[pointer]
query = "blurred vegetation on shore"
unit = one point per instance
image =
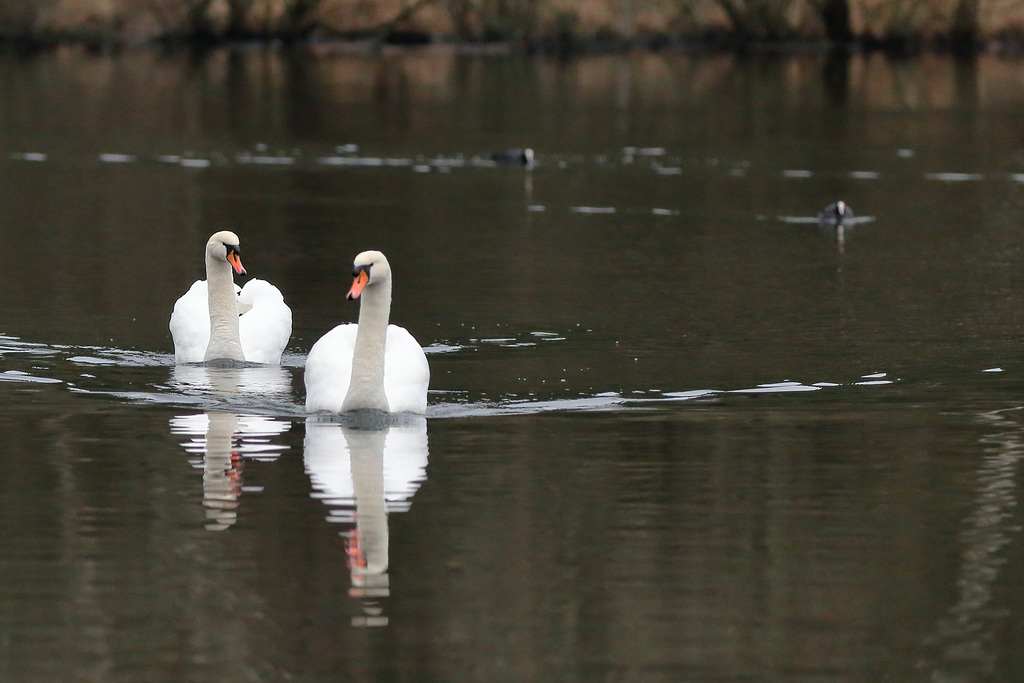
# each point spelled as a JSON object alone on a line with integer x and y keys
{"x": 535, "y": 25}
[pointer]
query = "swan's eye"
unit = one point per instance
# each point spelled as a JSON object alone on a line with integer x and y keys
{"x": 361, "y": 269}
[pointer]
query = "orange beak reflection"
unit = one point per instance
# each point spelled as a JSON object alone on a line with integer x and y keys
{"x": 236, "y": 262}
{"x": 358, "y": 284}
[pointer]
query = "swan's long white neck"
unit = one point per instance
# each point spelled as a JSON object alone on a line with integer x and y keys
{"x": 366, "y": 388}
{"x": 225, "y": 342}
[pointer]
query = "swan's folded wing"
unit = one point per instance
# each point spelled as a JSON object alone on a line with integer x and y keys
{"x": 406, "y": 372}
{"x": 329, "y": 369}
{"x": 190, "y": 324}
{"x": 266, "y": 325}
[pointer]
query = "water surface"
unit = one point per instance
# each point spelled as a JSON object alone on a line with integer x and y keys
{"x": 677, "y": 431}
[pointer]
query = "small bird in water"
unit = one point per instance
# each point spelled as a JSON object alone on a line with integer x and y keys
{"x": 838, "y": 213}
{"x": 514, "y": 157}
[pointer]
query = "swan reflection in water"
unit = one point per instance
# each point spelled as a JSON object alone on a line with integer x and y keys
{"x": 223, "y": 438}
{"x": 259, "y": 384}
{"x": 363, "y": 474}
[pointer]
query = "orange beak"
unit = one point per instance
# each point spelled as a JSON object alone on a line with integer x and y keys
{"x": 236, "y": 262}
{"x": 358, "y": 284}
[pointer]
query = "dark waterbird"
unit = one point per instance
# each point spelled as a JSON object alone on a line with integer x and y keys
{"x": 514, "y": 157}
{"x": 838, "y": 213}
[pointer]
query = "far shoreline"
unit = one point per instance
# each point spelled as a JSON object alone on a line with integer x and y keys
{"x": 1007, "y": 47}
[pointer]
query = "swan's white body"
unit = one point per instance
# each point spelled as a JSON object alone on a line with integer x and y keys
{"x": 370, "y": 365}
{"x": 329, "y": 371}
{"x": 216, "y": 320}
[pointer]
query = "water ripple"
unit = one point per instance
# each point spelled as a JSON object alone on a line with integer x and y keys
{"x": 592, "y": 209}
{"x": 19, "y": 376}
{"x": 777, "y": 388}
{"x": 658, "y": 159}
{"x": 114, "y": 158}
{"x": 954, "y": 177}
{"x": 272, "y": 391}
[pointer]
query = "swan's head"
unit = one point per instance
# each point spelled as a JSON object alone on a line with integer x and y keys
{"x": 223, "y": 246}
{"x": 369, "y": 269}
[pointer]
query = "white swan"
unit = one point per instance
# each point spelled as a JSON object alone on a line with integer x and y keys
{"x": 216, "y": 320}
{"x": 371, "y": 364}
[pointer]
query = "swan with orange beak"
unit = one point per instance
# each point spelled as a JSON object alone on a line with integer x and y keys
{"x": 215, "y": 320}
{"x": 372, "y": 365}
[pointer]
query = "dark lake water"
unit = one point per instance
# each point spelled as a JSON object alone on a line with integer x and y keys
{"x": 676, "y": 431}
